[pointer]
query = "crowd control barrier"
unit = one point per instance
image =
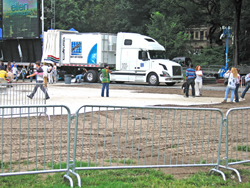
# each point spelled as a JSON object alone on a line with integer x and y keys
{"x": 237, "y": 138}
{"x": 33, "y": 144}
{"x": 121, "y": 137}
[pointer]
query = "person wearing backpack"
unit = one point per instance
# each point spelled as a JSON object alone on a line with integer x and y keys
{"x": 247, "y": 80}
{"x": 231, "y": 86}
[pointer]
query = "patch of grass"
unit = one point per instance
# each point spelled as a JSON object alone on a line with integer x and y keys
{"x": 126, "y": 178}
{"x": 127, "y": 161}
{"x": 243, "y": 148}
{"x": 174, "y": 146}
{"x": 4, "y": 165}
{"x": 112, "y": 161}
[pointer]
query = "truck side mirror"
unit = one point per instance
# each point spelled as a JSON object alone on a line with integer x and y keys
{"x": 144, "y": 56}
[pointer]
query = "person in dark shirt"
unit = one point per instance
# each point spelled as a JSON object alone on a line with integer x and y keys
{"x": 80, "y": 76}
{"x": 30, "y": 71}
{"x": 2, "y": 67}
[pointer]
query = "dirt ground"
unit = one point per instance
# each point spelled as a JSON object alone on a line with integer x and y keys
{"x": 113, "y": 136}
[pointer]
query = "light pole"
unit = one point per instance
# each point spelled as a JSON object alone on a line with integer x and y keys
{"x": 227, "y": 33}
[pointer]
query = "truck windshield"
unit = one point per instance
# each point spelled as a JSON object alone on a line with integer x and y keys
{"x": 157, "y": 54}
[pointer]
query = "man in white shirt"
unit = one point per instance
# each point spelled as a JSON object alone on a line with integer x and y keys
{"x": 15, "y": 72}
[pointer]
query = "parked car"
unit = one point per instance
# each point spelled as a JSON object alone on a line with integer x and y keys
{"x": 184, "y": 61}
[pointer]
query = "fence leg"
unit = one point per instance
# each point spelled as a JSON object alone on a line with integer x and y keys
{"x": 233, "y": 169}
{"x": 78, "y": 178}
{"x": 70, "y": 179}
{"x": 218, "y": 171}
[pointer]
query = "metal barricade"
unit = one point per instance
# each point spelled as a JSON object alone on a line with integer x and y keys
{"x": 16, "y": 94}
{"x": 237, "y": 138}
{"x": 31, "y": 144}
{"x": 121, "y": 137}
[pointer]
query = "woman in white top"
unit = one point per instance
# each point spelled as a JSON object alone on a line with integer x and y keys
{"x": 232, "y": 81}
{"x": 54, "y": 72}
{"x": 50, "y": 79}
{"x": 45, "y": 74}
{"x": 198, "y": 81}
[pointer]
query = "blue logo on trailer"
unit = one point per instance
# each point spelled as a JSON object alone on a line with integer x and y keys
{"x": 92, "y": 57}
{"x": 76, "y": 48}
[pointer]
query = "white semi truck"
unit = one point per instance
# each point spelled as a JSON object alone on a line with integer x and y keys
{"x": 132, "y": 57}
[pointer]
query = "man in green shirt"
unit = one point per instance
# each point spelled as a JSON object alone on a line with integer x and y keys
{"x": 105, "y": 80}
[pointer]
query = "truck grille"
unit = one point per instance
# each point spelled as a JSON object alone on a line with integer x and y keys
{"x": 176, "y": 70}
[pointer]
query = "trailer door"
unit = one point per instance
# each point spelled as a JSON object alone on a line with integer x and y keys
{"x": 66, "y": 51}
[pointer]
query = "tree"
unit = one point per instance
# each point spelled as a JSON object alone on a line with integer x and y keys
{"x": 169, "y": 32}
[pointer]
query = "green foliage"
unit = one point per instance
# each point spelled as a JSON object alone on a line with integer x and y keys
{"x": 169, "y": 32}
{"x": 211, "y": 56}
{"x": 243, "y": 148}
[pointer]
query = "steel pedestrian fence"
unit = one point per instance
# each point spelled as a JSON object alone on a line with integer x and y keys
{"x": 237, "y": 138}
{"x": 16, "y": 94}
{"x": 32, "y": 144}
{"x": 122, "y": 137}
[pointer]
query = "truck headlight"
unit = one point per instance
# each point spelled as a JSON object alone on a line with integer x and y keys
{"x": 165, "y": 74}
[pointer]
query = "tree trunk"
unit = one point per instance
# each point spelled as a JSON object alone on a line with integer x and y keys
{"x": 237, "y": 4}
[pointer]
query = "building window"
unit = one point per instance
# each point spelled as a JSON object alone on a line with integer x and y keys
{"x": 206, "y": 34}
{"x": 201, "y": 35}
{"x": 196, "y": 35}
{"x": 192, "y": 35}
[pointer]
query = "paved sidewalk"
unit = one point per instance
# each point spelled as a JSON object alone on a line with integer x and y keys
{"x": 75, "y": 97}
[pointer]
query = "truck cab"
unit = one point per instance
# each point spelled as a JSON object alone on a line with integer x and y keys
{"x": 140, "y": 58}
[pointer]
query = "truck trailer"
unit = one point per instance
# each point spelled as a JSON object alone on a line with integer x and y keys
{"x": 132, "y": 57}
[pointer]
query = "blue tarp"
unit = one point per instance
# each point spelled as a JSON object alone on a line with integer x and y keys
{"x": 72, "y": 29}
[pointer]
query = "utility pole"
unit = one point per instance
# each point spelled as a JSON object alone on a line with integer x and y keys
{"x": 227, "y": 33}
{"x": 53, "y": 11}
{"x": 42, "y": 17}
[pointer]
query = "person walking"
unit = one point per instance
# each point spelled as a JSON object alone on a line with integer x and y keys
{"x": 54, "y": 72}
{"x": 198, "y": 81}
{"x": 39, "y": 73}
{"x": 247, "y": 80}
{"x": 30, "y": 71}
{"x": 237, "y": 86}
{"x": 50, "y": 79}
{"x": 190, "y": 76}
{"x": 231, "y": 85}
{"x": 105, "y": 80}
{"x": 23, "y": 72}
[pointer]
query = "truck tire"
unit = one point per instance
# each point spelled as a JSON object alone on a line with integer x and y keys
{"x": 91, "y": 76}
{"x": 170, "y": 84}
{"x": 100, "y": 77}
{"x": 153, "y": 79}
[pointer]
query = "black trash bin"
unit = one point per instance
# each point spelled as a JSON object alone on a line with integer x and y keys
{"x": 67, "y": 78}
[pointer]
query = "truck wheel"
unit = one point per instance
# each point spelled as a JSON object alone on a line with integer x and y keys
{"x": 170, "y": 84}
{"x": 91, "y": 76}
{"x": 100, "y": 77}
{"x": 153, "y": 79}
